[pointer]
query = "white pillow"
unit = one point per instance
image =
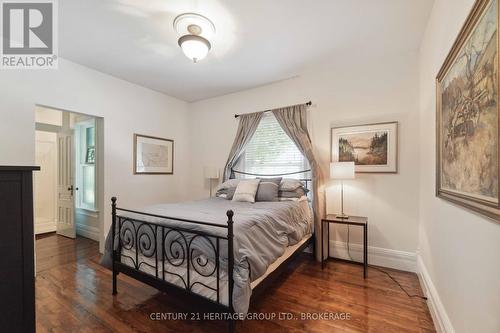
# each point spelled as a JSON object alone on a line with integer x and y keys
{"x": 246, "y": 190}
{"x": 302, "y": 198}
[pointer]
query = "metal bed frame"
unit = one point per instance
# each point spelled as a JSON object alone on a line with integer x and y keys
{"x": 144, "y": 239}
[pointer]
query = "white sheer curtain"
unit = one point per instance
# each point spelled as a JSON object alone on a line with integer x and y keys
{"x": 246, "y": 128}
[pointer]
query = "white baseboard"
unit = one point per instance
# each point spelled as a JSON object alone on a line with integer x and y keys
{"x": 44, "y": 227}
{"x": 405, "y": 261}
{"x": 87, "y": 232}
{"x": 438, "y": 312}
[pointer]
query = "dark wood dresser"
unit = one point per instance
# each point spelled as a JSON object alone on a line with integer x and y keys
{"x": 17, "y": 271}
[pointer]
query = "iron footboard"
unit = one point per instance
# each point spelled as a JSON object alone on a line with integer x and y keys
{"x": 179, "y": 258}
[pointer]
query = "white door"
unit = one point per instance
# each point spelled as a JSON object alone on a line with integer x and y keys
{"x": 66, "y": 186}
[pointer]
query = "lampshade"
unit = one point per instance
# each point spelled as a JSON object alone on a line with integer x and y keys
{"x": 194, "y": 47}
{"x": 342, "y": 170}
{"x": 211, "y": 172}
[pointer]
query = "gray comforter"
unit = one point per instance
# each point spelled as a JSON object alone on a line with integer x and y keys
{"x": 262, "y": 231}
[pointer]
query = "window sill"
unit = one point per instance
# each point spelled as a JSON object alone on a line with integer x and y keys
{"x": 88, "y": 211}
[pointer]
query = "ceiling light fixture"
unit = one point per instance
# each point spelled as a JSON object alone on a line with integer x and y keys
{"x": 195, "y": 31}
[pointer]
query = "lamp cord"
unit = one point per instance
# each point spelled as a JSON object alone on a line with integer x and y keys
{"x": 381, "y": 270}
{"x": 400, "y": 286}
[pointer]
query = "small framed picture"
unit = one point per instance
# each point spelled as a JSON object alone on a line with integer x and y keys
{"x": 373, "y": 148}
{"x": 90, "y": 156}
{"x": 153, "y": 156}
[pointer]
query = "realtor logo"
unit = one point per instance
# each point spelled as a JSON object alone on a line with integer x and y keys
{"x": 29, "y": 32}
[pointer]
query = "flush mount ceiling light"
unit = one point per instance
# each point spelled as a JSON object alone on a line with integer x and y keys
{"x": 195, "y": 31}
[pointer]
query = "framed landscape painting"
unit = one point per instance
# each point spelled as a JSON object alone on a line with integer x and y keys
{"x": 467, "y": 120}
{"x": 153, "y": 155}
{"x": 372, "y": 148}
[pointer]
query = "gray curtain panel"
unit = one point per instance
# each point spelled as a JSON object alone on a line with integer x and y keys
{"x": 293, "y": 120}
{"x": 246, "y": 129}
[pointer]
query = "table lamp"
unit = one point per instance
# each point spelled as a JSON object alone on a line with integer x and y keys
{"x": 211, "y": 173}
{"x": 342, "y": 171}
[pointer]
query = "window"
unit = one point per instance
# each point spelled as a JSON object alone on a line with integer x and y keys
{"x": 85, "y": 159}
{"x": 271, "y": 151}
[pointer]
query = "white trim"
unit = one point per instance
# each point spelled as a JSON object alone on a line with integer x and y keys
{"x": 44, "y": 227}
{"x": 87, "y": 232}
{"x": 436, "y": 308}
{"x": 88, "y": 212}
{"x": 405, "y": 261}
{"x": 80, "y": 136}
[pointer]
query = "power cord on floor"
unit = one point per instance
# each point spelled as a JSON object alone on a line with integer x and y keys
{"x": 400, "y": 286}
{"x": 381, "y": 270}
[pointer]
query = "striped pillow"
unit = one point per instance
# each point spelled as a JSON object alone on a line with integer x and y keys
{"x": 246, "y": 190}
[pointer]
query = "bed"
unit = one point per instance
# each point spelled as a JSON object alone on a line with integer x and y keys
{"x": 214, "y": 253}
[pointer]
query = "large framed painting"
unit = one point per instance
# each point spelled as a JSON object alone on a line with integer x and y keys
{"x": 467, "y": 127}
{"x": 372, "y": 148}
{"x": 153, "y": 155}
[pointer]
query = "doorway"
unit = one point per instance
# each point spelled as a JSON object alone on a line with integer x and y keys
{"x": 69, "y": 187}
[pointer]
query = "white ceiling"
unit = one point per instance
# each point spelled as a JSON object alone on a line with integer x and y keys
{"x": 257, "y": 41}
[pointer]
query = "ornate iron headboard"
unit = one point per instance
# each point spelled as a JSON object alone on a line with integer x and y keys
{"x": 306, "y": 181}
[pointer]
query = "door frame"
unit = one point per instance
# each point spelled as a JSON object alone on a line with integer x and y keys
{"x": 53, "y": 224}
{"x": 100, "y": 184}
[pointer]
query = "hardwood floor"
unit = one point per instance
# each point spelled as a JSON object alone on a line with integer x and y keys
{"x": 73, "y": 294}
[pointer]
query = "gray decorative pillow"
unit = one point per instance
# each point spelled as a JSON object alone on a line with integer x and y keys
{"x": 246, "y": 190}
{"x": 230, "y": 193}
{"x": 268, "y": 189}
{"x": 289, "y": 184}
{"x": 226, "y": 189}
{"x": 227, "y": 184}
{"x": 226, "y": 193}
{"x": 297, "y": 193}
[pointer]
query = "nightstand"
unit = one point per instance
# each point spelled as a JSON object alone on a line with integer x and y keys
{"x": 360, "y": 221}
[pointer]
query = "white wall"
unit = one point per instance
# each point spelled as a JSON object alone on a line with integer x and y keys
{"x": 459, "y": 251}
{"x": 126, "y": 108}
{"x": 352, "y": 89}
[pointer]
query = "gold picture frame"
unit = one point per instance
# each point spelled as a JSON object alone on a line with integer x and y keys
{"x": 467, "y": 116}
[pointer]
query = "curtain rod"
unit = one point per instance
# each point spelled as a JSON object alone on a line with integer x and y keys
{"x": 308, "y": 104}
